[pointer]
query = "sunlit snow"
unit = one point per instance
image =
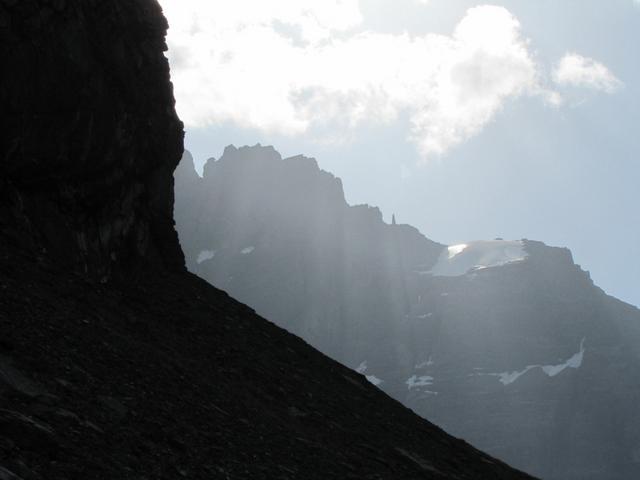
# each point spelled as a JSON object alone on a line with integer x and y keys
{"x": 454, "y": 250}
{"x": 460, "y": 259}
{"x": 205, "y": 255}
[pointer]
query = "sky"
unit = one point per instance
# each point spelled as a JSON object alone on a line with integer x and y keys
{"x": 469, "y": 120}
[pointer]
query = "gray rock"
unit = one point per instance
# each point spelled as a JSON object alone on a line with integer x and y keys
{"x": 527, "y": 360}
{"x": 12, "y": 378}
{"x": 27, "y": 432}
{"x": 8, "y": 475}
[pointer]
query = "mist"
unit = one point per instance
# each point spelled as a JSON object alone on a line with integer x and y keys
{"x": 319, "y": 239}
{"x": 472, "y": 191}
{"x": 508, "y": 326}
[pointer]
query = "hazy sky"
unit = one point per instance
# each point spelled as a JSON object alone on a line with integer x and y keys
{"x": 468, "y": 120}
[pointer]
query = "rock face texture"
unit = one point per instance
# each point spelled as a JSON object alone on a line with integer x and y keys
{"x": 114, "y": 361}
{"x": 280, "y": 235}
{"x": 89, "y": 136}
{"x": 507, "y": 344}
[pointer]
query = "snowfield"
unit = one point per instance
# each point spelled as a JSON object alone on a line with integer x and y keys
{"x": 205, "y": 255}
{"x": 459, "y": 260}
{"x": 575, "y": 362}
{"x": 422, "y": 381}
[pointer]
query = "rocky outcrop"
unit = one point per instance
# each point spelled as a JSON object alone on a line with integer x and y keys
{"x": 507, "y": 344}
{"x": 114, "y": 361}
{"x": 89, "y": 135}
{"x": 531, "y": 362}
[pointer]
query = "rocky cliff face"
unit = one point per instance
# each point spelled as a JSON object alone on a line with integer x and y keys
{"x": 531, "y": 362}
{"x": 280, "y": 236}
{"x": 114, "y": 361}
{"x": 89, "y": 134}
{"x": 507, "y": 344}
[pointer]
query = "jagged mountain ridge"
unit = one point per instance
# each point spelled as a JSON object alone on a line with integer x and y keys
{"x": 114, "y": 361}
{"x": 524, "y": 357}
{"x": 249, "y": 192}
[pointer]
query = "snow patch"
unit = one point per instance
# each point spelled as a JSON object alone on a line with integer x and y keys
{"x": 454, "y": 250}
{"x": 507, "y": 378}
{"x": 416, "y": 381}
{"x": 575, "y": 362}
{"x": 460, "y": 259}
{"x": 428, "y": 363}
{"x": 205, "y": 255}
{"x": 362, "y": 367}
{"x": 247, "y": 251}
{"x": 372, "y": 378}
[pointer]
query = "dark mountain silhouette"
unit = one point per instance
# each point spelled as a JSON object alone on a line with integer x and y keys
{"x": 114, "y": 361}
{"x": 507, "y": 344}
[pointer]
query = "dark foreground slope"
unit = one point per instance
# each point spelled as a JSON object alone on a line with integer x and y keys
{"x": 114, "y": 361}
{"x": 167, "y": 377}
{"x": 507, "y": 344}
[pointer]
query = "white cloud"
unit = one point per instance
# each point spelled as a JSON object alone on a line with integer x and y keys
{"x": 309, "y": 67}
{"x": 578, "y": 71}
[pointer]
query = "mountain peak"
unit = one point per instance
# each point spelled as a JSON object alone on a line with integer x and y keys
{"x": 506, "y": 343}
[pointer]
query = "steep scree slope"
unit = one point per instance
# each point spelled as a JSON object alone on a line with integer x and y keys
{"x": 114, "y": 361}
